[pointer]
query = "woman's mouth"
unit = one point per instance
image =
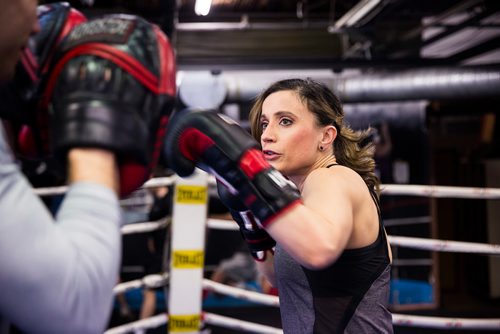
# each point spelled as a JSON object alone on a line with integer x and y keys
{"x": 270, "y": 155}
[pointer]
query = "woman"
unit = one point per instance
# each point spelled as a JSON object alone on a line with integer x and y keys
{"x": 332, "y": 270}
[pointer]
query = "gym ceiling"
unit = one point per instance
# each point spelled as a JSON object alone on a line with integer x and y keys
{"x": 320, "y": 34}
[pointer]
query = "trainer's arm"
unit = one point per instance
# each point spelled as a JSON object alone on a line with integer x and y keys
{"x": 57, "y": 277}
{"x": 93, "y": 165}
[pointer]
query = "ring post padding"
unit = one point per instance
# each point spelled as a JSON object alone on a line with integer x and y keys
{"x": 187, "y": 260}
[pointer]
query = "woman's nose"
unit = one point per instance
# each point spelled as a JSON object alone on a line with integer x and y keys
{"x": 267, "y": 134}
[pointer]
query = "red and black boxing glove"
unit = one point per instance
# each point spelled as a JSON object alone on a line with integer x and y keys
{"x": 221, "y": 147}
{"x": 20, "y": 97}
{"x": 259, "y": 242}
{"x": 112, "y": 86}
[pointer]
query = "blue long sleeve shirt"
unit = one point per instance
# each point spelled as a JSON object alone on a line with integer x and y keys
{"x": 56, "y": 275}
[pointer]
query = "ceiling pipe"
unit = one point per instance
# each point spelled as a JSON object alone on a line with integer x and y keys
{"x": 409, "y": 85}
{"x": 417, "y": 84}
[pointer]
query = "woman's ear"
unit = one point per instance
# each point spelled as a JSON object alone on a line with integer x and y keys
{"x": 329, "y": 135}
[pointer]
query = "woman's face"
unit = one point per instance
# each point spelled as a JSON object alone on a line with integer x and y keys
{"x": 290, "y": 135}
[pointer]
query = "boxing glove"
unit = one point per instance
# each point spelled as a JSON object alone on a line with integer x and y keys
{"x": 221, "y": 147}
{"x": 258, "y": 240}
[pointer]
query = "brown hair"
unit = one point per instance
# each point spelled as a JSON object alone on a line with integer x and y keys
{"x": 348, "y": 147}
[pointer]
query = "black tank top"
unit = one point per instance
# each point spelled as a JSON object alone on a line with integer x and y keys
{"x": 327, "y": 300}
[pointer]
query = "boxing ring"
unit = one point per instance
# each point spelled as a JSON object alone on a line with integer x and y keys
{"x": 185, "y": 277}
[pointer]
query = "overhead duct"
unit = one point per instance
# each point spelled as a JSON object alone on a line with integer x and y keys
{"x": 429, "y": 84}
{"x": 403, "y": 115}
{"x": 409, "y": 85}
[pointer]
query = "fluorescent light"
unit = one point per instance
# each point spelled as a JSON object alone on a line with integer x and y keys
{"x": 202, "y": 7}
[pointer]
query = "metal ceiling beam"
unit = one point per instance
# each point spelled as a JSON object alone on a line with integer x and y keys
{"x": 416, "y": 32}
{"x": 486, "y": 46}
{"x": 460, "y": 7}
{"x": 449, "y": 30}
{"x": 355, "y": 14}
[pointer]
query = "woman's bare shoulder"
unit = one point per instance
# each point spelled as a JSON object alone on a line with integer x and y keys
{"x": 339, "y": 177}
{"x": 337, "y": 172}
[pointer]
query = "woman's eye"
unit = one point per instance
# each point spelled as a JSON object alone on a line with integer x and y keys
{"x": 285, "y": 121}
{"x": 263, "y": 125}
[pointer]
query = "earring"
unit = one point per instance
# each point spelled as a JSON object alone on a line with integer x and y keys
{"x": 321, "y": 148}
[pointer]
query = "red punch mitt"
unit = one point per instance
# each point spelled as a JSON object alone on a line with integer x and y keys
{"x": 112, "y": 86}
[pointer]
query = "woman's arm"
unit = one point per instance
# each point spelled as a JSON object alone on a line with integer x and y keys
{"x": 316, "y": 232}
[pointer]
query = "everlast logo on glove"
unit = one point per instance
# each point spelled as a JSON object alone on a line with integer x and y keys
{"x": 109, "y": 30}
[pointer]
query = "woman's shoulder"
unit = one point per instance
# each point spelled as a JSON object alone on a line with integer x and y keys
{"x": 334, "y": 171}
{"x": 338, "y": 175}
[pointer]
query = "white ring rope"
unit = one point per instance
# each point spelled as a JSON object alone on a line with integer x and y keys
{"x": 388, "y": 189}
{"x": 51, "y": 191}
{"x": 240, "y": 293}
{"x": 159, "y": 182}
{"x": 145, "y": 227}
{"x": 437, "y": 245}
{"x": 445, "y": 323}
{"x": 440, "y": 191}
{"x": 240, "y": 325}
{"x": 152, "y": 322}
{"x": 417, "y": 243}
{"x": 149, "y": 281}
{"x": 397, "y": 319}
{"x": 208, "y": 318}
{"x": 222, "y": 224}
{"x": 444, "y": 245}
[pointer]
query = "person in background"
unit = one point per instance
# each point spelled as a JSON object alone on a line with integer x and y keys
{"x": 237, "y": 270}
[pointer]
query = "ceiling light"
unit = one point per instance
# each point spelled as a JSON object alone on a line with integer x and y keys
{"x": 202, "y": 7}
